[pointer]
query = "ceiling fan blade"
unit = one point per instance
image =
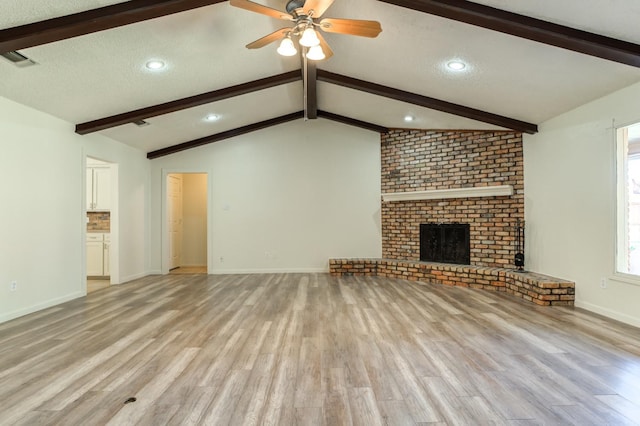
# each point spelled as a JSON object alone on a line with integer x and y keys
{"x": 351, "y": 27}
{"x": 325, "y": 47}
{"x": 276, "y": 35}
{"x": 258, "y": 8}
{"x": 315, "y": 8}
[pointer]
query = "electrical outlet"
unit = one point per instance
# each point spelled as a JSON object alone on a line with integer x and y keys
{"x": 13, "y": 286}
{"x": 603, "y": 283}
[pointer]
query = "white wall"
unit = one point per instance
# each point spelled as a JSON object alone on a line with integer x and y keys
{"x": 194, "y": 212}
{"x": 286, "y": 198}
{"x": 570, "y": 202}
{"x": 42, "y": 225}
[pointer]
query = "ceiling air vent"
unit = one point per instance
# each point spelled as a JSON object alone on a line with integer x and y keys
{"x": 18, "y": 59}
{"x": 141, "y": 123}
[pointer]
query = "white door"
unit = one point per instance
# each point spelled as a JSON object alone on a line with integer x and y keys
{"x": 174, "y": 210}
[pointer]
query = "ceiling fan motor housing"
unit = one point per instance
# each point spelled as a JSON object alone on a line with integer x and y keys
{"x": 293, "y": 5}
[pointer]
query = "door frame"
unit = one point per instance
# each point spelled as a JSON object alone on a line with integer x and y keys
{"x": 165, "y": 252}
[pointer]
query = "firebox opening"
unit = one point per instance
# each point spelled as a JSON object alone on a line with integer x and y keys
{"x": 445, "y": 243}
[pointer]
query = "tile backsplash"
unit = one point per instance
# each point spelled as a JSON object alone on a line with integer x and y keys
{"x": 99, "y": 221}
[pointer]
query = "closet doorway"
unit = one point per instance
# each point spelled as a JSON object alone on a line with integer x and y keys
{"x": 186, "y": 196}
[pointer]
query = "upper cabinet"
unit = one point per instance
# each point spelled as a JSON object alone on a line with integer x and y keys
{"x": 98, "y": 187}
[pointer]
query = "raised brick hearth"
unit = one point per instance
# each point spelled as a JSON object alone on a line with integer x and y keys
{"x": 536, "y": 288}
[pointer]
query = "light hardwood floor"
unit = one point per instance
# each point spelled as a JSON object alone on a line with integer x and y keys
{"x": 180, "y": 270}
{"x": 311, "y": 349}
{"x": 95, "y": 285}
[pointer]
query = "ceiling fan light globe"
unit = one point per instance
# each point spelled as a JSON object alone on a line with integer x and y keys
{"x": 287, "y": 48}
{"x": 315, "y": 53}
{"x": 309, "y": 38}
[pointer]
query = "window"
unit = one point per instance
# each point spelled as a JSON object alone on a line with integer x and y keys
{"x": 628, "y": 211}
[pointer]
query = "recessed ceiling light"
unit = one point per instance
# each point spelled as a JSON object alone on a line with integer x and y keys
{"x": 456, "y": 65}
{"x": 155, "y": 65}
{"x": 212, "y": 117}
{"x": 409, "y": 118}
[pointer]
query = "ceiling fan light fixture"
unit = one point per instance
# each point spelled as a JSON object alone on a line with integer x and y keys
{"x": 286, "y": 47}
{"x": 309, "y": 38}
{"x": 315, "y": 53}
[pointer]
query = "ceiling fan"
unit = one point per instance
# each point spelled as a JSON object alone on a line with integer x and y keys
{"x": 305, "y": 16}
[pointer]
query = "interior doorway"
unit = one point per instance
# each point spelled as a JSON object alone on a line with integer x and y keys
{"x": 186, "y": 197}
{"x": 101, "y": 208}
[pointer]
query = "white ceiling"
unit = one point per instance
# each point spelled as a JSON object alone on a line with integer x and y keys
{"x": 103, "y": 74}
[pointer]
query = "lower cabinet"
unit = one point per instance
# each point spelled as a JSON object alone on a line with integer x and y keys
{"x": 105, "y": 255}
{"x": 98, "y": 254}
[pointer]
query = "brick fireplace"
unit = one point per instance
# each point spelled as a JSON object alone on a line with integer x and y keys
{"x": 472, "y": 178}
{"x": 423, "y": 160}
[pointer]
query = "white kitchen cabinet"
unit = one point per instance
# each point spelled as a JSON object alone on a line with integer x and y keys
{"x": 105, "y": 255}
{"x": 98, "y": 254}
{"x": 98, "y": 188}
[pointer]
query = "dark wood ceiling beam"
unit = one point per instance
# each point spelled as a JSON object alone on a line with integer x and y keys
{"x": 190, "y": 102}
{"x": 427, "y": 102}
{"x": 258, "y": 126}
{"x": 352, "y": 122}
{"x": 92, "y": 21}
{"x": 529, "y": 28}
{"x": 311, "y": 95}
{"x": 225, "y": 135}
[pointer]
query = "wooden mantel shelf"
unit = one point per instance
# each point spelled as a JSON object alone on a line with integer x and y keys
{"x": 438, "y": 194}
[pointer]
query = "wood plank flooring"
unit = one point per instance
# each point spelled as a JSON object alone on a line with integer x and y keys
{"x": 311, "y": 349}
{"x": 188, "y": 270}
{"x": 95, "y": 285}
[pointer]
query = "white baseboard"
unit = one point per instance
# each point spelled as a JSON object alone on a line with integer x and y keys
{"x": 237, "y": 271}
{"x": 627, "y": 319}
{"x": 136, "y": 276}
{"x": 40, "y": 306}
{"x": 270, "y": 271}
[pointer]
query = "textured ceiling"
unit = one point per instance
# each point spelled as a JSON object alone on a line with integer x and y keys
{"x": 102, "y": 74}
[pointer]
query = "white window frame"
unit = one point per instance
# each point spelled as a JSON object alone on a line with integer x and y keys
{"x": 622, "y": 203}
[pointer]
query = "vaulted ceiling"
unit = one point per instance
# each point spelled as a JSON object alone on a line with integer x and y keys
{"x": 526, "y": 62}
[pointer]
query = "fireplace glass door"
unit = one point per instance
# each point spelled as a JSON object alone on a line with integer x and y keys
{"x": 445, "y": 243}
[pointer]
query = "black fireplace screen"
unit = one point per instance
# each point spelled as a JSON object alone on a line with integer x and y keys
{"x": 445, "y": 243}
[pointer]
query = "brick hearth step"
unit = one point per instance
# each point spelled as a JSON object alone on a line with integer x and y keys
{"x": 530, "y": 286}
